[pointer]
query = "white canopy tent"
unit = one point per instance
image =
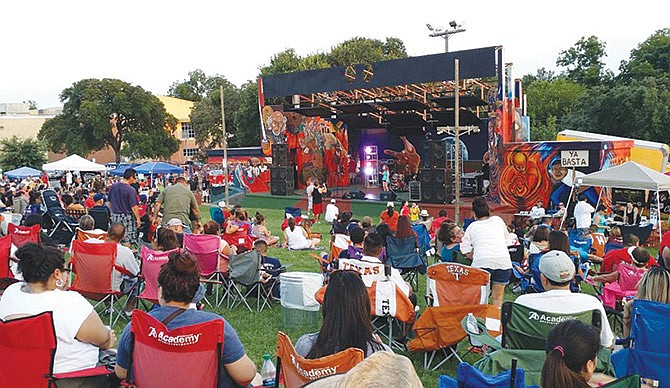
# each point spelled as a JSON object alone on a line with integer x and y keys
{"x": 73, "y": 163}
{"x": 629, "y": 175}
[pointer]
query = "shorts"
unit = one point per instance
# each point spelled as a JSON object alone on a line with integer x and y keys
{"x": 129, "y": 286}
{"x": 499, "y": 276}
{"x": 310, "y": 203}
{"x": 318, "y": 208}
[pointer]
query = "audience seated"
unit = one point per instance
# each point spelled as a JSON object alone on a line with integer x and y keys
{"x": 166, "y": 240}
{"x": 572, "y": 352}
{"x": 296, "y": 238}
{"x": 654, "y": 286}
{"x": 355, "y": 249}
{"x": 80, "y": 333}
{"x": 178, "y": 282}
{"x": 126, "y": 260}
{"x": 271, "y": 266}
{"x": 237, "y": 231}
{"x": 259, "y": 230}
{"x": 346, "y": 320}
{"x": 557, "y": 271}
{"x": 616, "y": 256}
{"x": 450, "y": 234}
{"x": 212, "y": 228}
{"x": 178, "y": 227}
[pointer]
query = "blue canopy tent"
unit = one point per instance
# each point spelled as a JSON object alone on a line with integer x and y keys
{"x": 23, "y": 172}
{"x": 151, "y": 168}
{"x": 122, "y": 169}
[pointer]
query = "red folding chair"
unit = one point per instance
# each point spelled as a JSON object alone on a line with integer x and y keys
{"x": 22, "y": 234}
{"x": 149, "y": 269}
{"x": 92, "y": 264}
{"x": 205, "y": 249}
{"x": 6, "y": 276}
{"x": 189, "y": 356}
{"x": 27, "y": 350}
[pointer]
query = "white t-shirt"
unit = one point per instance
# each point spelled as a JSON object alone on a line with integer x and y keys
{"x": 536, "y": 212}
{"x": 488, "y": 240}
{"x": 125, "y": 259}
{"x": 566, "y": 302}
{"x": 331, "y": 213}
{"x": 372, "y": 269}
{"x": 69, "y": 312}
{"x": 583, "y": 211}
{"x": 296, "y": 238}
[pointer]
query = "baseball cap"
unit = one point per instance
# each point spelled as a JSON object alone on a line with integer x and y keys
{"x": 98, "y": 196}
{"x": 175, "y": 222}
{"x": 332, "y": 200}
{"x": 424, "y": 213}
{"x": 222, "y": 204}
{"x": 390, "y": 204}
{"x": 557, "y": 266}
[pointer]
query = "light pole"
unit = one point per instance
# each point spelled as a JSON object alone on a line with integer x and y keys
{"x": 225, "y": 146}
{"x": 455, "y": 29}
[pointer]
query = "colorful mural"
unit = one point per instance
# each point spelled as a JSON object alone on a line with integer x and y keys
{"x": 319, "y": 147}
{"x": 248, "y": 174}
{"x": 532, "y": 171}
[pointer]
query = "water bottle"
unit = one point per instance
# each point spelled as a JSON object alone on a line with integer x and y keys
{"x": 268, "y": 371}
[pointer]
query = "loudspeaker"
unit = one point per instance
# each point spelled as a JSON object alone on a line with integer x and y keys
{"x": 435, "y": 177}
{"x": 437, "y": 154}
{"x": 280, "y": 155}
{"x": 387, "y": 196}
{"x": 414, "y": 191}
{"x": 281, "y": 174}
{"x": 282, "y": 188}
{"x": 436, "y": 194}
{"x": 354, "y": 195}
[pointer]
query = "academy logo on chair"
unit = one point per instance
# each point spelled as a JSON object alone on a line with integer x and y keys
{"x": 178, "y": 340}
{"x": 550, "y": 320}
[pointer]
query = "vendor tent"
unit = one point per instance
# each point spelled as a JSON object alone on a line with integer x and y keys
{"x": 22, "y": 172}
{"x": 151, "y": 168}
{"x": 73, "y": 163}
{"x": 121, "y": 169}
{"x": 629, "y": 175}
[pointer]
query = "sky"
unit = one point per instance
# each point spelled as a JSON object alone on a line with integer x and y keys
{"x": 47, "y": 45}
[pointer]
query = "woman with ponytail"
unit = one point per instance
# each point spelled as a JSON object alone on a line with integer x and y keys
{"x": 178, "y": 281}
{"x": 572, "y": 353}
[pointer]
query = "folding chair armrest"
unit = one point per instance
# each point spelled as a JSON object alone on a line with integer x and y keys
{"x": 124, "y": 271}
{"x": 483, "y": 336}
{"x": 96, "y": 371}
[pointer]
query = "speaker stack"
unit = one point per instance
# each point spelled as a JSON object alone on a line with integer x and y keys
{"x": 436, "y": 185}
{"x": 281, "y": 171}
{"x": 437, "y": 154}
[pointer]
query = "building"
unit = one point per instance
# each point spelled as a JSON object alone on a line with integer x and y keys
{"x": 181, "y": 110}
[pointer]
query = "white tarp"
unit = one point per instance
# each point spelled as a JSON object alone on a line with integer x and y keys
{"x": 629, "y": 175}
{"x": 73, "y": 163}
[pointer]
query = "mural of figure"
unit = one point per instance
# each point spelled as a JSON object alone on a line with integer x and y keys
{"x": 409, "y": 160}
{"x": 522, "y": 181}
{"x": 274, "y": 131}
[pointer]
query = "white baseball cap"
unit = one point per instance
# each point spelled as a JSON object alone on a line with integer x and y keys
{"x": 557, "y": 266}
{"x": 222, "y": 203}
{"x": 390, "y": 204}
{"x": 332, "y": 200}
{"x": 175, "y": 222}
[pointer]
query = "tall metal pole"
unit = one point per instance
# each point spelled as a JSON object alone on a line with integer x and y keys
{"x": 457, "y": 141}
{"x": 225, "y": 145}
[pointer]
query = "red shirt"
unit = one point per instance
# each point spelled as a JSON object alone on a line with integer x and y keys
{"x": 89, "y": 202}
{"x": 391, "y": 221}
{"x": 435, "y": 226}
{"x": 404, "y": 211}
{"x": 616, "y": 256}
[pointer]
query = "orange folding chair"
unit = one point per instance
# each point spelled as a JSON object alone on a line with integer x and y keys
{"x": 97, "y": 234}
{"x": 297, "y": 370}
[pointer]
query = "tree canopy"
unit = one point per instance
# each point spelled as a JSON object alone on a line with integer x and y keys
{"x": 144, "y": 128}
{"x": 196, "y": 87}
{"x": 584, "y": 61}
{"x": 651, "y": 58}
{"x": 16, "y": 152}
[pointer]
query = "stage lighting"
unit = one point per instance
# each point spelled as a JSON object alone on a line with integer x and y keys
{"x": 368, "y": 164}
{"x": 368, "y": 150}
{"x": 368, "y": 170}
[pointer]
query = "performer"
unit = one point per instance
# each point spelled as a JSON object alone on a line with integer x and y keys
{"x": 386, "y": 177}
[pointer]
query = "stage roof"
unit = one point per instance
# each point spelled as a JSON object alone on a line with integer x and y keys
{"x": 411, "y": 94}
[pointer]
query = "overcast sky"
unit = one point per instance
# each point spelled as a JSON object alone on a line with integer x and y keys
{"x": 47, "y": 45}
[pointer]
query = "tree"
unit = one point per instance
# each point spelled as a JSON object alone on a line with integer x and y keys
{"x": 144, "y": 128}
{"x": 16, "y": 152}
{"x": 552, "y": 98}
{"x": 247, "y": 118}
{"x": 196, "y": 87}
{"x": 206, "y": 115}
{"x": 584, "y": 62}
{"x": 651, "y": 58}
{"x": 366, "y": 50}
{"x": 542, "y": 74}
{"x": 544, "y": 131}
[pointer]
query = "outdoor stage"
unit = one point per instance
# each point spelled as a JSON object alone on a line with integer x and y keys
{"x": 372, "y": 206}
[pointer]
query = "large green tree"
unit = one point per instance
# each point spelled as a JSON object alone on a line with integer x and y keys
{"x": 552, "y": 98}
{"x": 197, "y": 86}
{"x": 16, "y": 152}
{"x": 206, "y": 115}
{"x": 144, "y": 128}
{"x": 651, "y": 58}
{"x": 584, "y": 62}
{"x": 366, "y": 50}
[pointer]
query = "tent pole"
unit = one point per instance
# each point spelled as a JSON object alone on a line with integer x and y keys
{"x": 565, "y": 214}
{"x": 658, "y": 217}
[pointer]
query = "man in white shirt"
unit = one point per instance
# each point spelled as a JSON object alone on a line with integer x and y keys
{"x": 309, "y": 190}
{"x": 537, "y": 211}
{"x": 126, "y": 260}
{"x": 583, "y": 211}
{"x": 331, "y": 212}
{"x": 557, "y": 271}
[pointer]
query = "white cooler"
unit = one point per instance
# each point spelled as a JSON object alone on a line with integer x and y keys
{"x": 299, "y": 308}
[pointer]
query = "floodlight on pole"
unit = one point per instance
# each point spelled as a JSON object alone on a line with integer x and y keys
{"x": 446, "y": 33}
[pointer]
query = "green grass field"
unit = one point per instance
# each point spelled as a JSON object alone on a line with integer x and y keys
{"x": 258, "y": 331}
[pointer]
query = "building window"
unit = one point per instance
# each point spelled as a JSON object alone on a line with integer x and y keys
{"x": 187, "y": 131}
{"x": 190, "y": 152}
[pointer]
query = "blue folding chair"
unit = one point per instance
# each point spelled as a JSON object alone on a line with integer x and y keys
{"x": 423, "y": 238}
{"x": 401, "y": 253}
{"x": 648, "y": 348}
{"x": 470, "y": 377}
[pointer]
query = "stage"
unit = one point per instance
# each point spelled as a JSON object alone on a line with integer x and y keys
{"x": 372, "y": 206}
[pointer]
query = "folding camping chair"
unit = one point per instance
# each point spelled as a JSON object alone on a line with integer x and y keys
{"x": 194, "y": 361}
{"x": 24, "y": 234}
{"x": 101, "y": 217}
{"x": 468, "y": 376}
{"x": 205, "y": 249}
{"x": 452, "y": 292}
{"x": 245, "y": 270}
{"x": 6, "y": 275}
{"x": 62, "y": 226}
{"x": 297, "y": 370}
{"x": 402, "y": 254}
{"x": 83, "y": 235}
{"x": 648, "y": 343}
{"x": 151, "y": 263}
{"x": 27, "y": 349}
{"x": 93, "y": 265}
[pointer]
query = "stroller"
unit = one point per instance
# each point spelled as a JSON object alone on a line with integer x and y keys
{"x": 61, "y": 227}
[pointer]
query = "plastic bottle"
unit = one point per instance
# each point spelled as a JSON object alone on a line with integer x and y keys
{"x": 268, "y": 371}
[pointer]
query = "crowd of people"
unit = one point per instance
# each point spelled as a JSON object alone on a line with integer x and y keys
{"x": 161, "y": 219}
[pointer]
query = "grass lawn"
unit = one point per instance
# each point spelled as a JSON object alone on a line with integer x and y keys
{"x": 258, "y": 331}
